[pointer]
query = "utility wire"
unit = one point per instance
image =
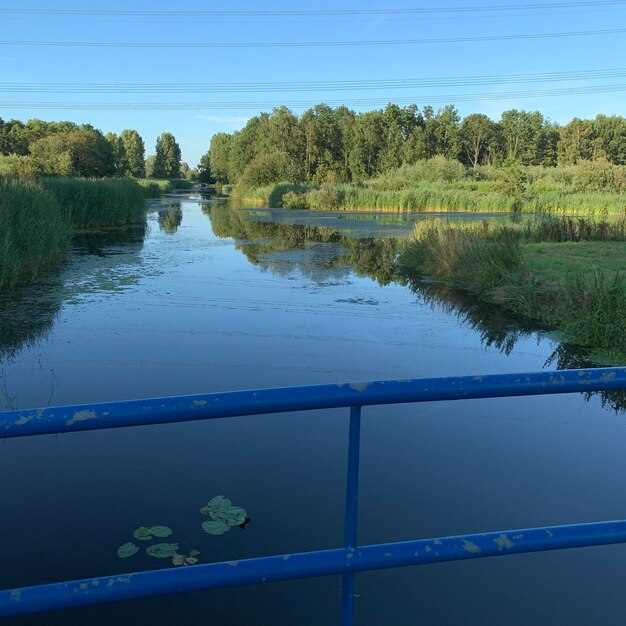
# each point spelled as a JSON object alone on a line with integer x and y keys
{"x": 315, "y": 12}
{"x": 307, "y": 44}
{"x": 297, "y": 104}
{"x": 324, "y": 85}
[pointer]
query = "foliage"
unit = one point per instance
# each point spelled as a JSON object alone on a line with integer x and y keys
{"x": 269, "y": 168}
{"x": 167, "y": 157}
{"x": 153, "y": 188}
{"x": 33, "y": 233}
{"x": 497, "y": 266}
{"x": 89, "y": 203}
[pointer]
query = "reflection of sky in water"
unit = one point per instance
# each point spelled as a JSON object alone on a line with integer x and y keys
{"x": 188, "y": 312}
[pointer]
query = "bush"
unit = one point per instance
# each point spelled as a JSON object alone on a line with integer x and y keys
{"x": 293, "y": 200}
{"x": 266, "y": 169}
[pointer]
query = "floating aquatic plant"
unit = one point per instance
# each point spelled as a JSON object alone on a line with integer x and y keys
{"x": 215, "y": 527}
{"x": 182, "y": 559}
{"x": 223, "y": 516}
{"x": 161, "y": 531}
{"x": 128, "y": 549}
{"x": 162, "y": 550}
{"x": 145, "y": 533}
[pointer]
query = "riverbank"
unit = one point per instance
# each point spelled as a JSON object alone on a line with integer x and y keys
{"x": 37, "y": 218}
{"x": 588, "y": 188}
{"x": 572, "y": 285}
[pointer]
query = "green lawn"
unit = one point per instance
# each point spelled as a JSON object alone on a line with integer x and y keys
{"x": 552, "y": 262}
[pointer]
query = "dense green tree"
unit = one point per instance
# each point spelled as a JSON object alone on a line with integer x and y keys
{"x": 204, "y": 169}
{"x": 273, "y": 167}
{"x": 150, "y": 162}
{"x": 478, "y": 136}
{"x": 119, "y": 154}
{"x": 528, "y": 138}
{"x": 135, "y": 153}
{"x": 575, "y": 141}
{"x": 610, "y": 138}
{"x": 284, "y": 133}
{"x": 446, "y": 128}
{"x": 167, "y": 158}
{"x": 83, "y": 151}
{"x": 322, "y": 144}
{"x": 217, "y": 159}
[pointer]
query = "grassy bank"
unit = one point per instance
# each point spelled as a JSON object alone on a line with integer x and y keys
{"x": 439, "y": 184}
{"x": 37, "y": 218}
{"x": 33, "y": 232}
{"x": 575, "y": 285}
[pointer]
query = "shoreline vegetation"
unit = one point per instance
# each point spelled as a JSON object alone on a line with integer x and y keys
{"x": 562, "y": 274}
{"x": 39, "y": 216}
{"x": 440, "y": 184}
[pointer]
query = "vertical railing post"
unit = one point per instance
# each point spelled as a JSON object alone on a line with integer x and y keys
{"x": 351, "y": 513}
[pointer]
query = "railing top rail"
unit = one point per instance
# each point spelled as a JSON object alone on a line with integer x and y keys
{"x": 286, "y": 399}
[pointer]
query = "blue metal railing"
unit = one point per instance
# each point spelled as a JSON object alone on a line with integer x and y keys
{"x": 345, "y": 561}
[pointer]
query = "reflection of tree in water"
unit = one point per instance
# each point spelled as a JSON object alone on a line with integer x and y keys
{"x": 28, "y": 313}
{"x": 272, "y": 246}
{"x": 568, "y": 357}
{"x": 170, "y": 218}
{"x": 502, "y": 332}
{"x": 320, "y": 253}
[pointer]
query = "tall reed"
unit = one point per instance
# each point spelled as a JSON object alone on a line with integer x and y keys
{"x": 93, "y": 203}
{"x": 33, "y": 232}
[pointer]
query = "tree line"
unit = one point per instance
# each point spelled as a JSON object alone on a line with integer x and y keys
{"x": 327, "y": 144}
{"x": 68, "y": 149}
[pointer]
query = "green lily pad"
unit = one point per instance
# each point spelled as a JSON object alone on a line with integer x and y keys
{"x": 215, "y": 527}
{"x": 232, "y": 515}
{"x": 128, "y": 549}
{"x": 162, "y": 550}
{"x": 143, "y": 534}
{"x": 219, "y": 502}
{"x": 161, "y": 531}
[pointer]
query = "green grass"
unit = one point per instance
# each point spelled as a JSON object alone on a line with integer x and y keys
{"x": 33, "y": 233}
{"x": 154, "y": 188}
{"x": 575, "y": 287}
{"x": 97, "y": 203}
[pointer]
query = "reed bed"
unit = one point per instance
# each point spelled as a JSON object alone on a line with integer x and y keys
{"x": 97, "y": 203}
{"x": 33, "y": 233}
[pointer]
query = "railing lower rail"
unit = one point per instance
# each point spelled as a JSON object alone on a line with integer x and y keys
{"x": 345, "y": 561}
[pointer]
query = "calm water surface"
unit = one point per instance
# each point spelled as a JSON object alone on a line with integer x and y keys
{"x": 211, "y": 299}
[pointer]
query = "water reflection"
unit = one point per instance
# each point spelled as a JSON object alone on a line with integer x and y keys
{"x": 284, "y": 248}
{"x": 325, "y": 255}
{"x": 170, "y": 216}
{"x": 27, "y": 314}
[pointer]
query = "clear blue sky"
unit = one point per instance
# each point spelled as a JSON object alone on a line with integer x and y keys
{"x": 194, "y": 128}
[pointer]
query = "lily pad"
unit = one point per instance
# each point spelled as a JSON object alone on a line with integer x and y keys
{"x": 128, "y": 549}
{"x": 215, "y": 504}
{"x": 161, "y": 531}
{"x": 232, "y": 515}
{"x": 215, "y": 527}
{"x": 182, "y": 559}
{"x": 143, "y": 534}
{"x": 162, "y": 550}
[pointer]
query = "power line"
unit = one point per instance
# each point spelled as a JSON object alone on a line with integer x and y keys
{"x": 300, "y": 86}
{"x": 308, "y": 44}
{"x": 297, "y": 104}
{"x": 315, "y": 12}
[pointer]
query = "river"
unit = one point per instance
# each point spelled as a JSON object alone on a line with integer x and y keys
{"x": 207, "y": 298}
